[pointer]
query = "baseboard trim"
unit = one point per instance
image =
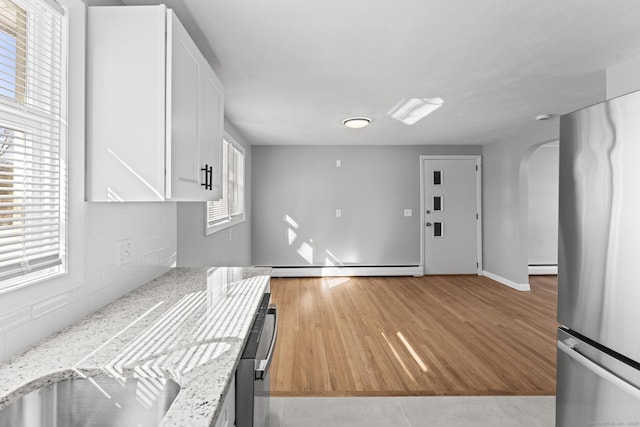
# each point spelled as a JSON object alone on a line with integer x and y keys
{"x": 517, "y": 286}
{"x": 543, "y": 270}
{"x": 404, "y": 270}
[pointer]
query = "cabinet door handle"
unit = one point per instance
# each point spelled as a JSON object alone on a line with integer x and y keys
{"x": 208, "y": 177}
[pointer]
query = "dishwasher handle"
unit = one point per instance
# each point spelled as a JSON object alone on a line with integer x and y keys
{"x": 263, "y": 365}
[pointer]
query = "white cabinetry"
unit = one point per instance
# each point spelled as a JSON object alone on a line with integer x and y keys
{"x": 227, "y": 415}
{"x": 154, "y": 109}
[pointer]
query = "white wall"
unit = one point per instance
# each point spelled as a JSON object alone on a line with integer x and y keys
{"x": 297, "y": 189}
{"x": 505, "y": 205}
{"x": 543, "y": 205}
{"x": 231, "y": 246}
{"x": 93, "y": 279}
{"x": 505, "y": 189}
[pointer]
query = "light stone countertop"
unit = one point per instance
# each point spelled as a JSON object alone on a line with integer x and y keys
{"x": 189, "y": 325}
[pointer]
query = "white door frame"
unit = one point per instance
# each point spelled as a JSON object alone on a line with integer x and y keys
{"x": 478, "y": 160}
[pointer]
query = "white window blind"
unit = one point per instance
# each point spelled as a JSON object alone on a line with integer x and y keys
{"x": 232, "y": 202}
{"x": 32, "y": 141}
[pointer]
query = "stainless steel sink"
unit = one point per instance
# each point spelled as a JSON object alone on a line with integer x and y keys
{"x": 93, "y": 402}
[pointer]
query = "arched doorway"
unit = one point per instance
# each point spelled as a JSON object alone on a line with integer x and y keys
{"x": 542, "y": 209}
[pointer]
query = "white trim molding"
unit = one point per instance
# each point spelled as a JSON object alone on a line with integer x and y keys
{"x": 543, "y": 270}
{"x": 517, "y": 286}
{"x": 347, "y": 271}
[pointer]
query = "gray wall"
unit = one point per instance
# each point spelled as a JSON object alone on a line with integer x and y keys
{"x": 543, "y": 205}
{"x": 231, "y": 246}
{"x": 505, "y": 204}
{"x": 297, "y": 189}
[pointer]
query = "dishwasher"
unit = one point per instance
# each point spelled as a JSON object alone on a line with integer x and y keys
{"x": 252, "y": 375}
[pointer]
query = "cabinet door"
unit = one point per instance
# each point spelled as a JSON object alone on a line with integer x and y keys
{"x": 126, "y": 103}
{"x": 227, "y": 415}
{"x": 211, "y": 127}
{"x": 185, "y": 75}
{"x": 155, "y": 109}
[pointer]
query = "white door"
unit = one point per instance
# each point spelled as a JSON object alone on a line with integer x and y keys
{"x": 451, "y": 215}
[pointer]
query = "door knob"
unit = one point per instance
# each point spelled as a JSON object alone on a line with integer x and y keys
{"x": 428, "y": 224}
{"x": 428, "y": 212}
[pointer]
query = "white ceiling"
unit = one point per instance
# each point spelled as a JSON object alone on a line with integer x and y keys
{"x": 294, "y": 69}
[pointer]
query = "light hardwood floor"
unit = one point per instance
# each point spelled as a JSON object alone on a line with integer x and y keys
{"x": 433, "y": 335}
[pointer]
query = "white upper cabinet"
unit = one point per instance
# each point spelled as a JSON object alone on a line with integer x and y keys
{"x": 154, "y": 109}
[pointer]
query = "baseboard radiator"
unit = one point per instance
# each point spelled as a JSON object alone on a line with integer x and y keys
{"x": 543, "y": 269}
{"x": 351, "y": 270}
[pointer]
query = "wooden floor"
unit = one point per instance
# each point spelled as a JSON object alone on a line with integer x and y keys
{"x": 433, "y": 335}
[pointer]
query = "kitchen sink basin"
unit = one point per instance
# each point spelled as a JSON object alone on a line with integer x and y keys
{"x": 93, "y": 402}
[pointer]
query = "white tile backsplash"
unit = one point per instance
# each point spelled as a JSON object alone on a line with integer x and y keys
{"x": 93, "y": 282}
{"x": 71, "y": 313}
{"x": 26, "y": 335}
{"x": 15, "y": 319}
{"x": 152, "y": 228}
{"x": 51, "y": 304}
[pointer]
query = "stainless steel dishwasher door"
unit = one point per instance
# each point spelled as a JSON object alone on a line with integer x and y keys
{"x": 262, "y": 370}
{"x": 252, "y": 375}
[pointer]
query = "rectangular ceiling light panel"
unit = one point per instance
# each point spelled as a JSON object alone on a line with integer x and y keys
{"x": 409, "y": 111}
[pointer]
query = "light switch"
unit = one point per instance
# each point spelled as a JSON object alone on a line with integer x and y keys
{"x": 408, "y": 212}
{"x": 338, "y": 213}
{"x": 338, "y": 163}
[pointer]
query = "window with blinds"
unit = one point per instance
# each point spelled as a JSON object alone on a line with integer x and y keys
{"x": 222, "y": 212}
{"x": 32, "y": 141}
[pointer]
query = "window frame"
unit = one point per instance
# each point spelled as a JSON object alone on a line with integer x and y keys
{"x": 239, "y": 218}
{"x": 20, "y": 111}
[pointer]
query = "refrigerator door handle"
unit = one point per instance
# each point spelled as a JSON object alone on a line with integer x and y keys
{"x": 599, "y": 370}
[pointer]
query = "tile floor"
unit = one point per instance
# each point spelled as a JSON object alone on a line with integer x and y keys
{"x": 495, "y": 411}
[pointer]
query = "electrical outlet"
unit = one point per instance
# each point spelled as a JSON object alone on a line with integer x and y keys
{"x": 124, "y": 251}
{"x": 338, "y": 213}
{"x": 408, "y": 212}
{"x": 338, "y": 163}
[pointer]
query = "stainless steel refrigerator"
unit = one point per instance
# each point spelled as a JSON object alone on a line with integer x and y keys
{"x": 599, "y": 266}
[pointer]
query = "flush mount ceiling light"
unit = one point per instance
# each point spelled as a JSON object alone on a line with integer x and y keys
{"x": 543, "y": 117}
{"x": 409, "y": 111}
{"x": 356, "y": 122}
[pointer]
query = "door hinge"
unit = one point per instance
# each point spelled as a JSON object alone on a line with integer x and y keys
{"x": 477, "y": 265}
{"x": 477, "y": 217}
{"x": 476, "y": 167}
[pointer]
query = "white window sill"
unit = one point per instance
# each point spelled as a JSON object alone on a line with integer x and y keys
{"x": 21, "y": 282}
{"x": 238, "y": 219}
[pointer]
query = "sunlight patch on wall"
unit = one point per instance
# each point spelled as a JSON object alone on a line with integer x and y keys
{"x": 335, "y": 259}
{"x": 306, "y": 251}
{"x": 290, "y": 221}
{"x": 291, "y": 236}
